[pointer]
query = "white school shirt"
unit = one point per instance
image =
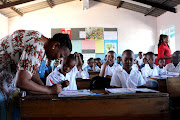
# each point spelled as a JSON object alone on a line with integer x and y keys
{"x": 140, "y": 61}
{"x": 162, "y": 71}
{"x": 148, "y": 72}
{"x": 110, "y": 70}
{"x": 171, "y": 68}
{"x": 135, "y": 66}
{"x": 122, "y": 79}
{"x": 82, "y": 74}
{"x": 58, "y": 77}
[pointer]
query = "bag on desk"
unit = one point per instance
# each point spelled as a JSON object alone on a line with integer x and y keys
{"x": 99, "y": 83}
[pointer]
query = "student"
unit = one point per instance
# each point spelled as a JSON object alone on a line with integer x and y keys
{"x": 42, "y": 70}
{"x": 109, "y": 67}
{"x": 161, "y": 68}
{"x": 49, "y": 68}
{"x": 126, "y": 77}
{"x": 82, "y": 73}
{"x": 139, "y": 59}
{"x": 91, "y": 65}
{"x": 60, "y": 73}
{"x": 98, "y": 62}
{"x": 150, "y": 70}
{"x": 119, "y": 60}
{"x": 144, "y": 62}
{"x": 175, "y": 65}
{"x": 104, "y": 60}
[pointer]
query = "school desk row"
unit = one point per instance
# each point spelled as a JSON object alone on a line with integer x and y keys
{"x": 103, "y": 107}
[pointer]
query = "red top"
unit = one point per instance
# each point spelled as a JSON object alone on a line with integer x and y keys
{"x": 163, "y": 50}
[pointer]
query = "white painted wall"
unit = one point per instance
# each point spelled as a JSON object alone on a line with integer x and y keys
{"x": 3, "y": 26}
{"x": 135, "y": 31}
{"x": 169, "y": 19}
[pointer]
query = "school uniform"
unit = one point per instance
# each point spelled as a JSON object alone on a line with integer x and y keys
{"x": 162, "y": 71}
{"x": 135, "y": 66}
{"x": 110, "y": 70}
{"x": 88, "y": 68}
{"x": 82, "y": 73}
{"x": 148, "y": 72}
{"x": 140, "y": 61}
{"x": 122, "y": 79}
{"x": 57, "y": 77}
{"x": 171, "y": 68}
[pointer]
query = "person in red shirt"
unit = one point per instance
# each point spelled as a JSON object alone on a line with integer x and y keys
{"x": 164, "y": 50}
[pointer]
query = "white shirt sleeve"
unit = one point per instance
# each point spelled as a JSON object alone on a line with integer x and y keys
{"x": 141, "y": 81}
{"x": 115, "y": 81}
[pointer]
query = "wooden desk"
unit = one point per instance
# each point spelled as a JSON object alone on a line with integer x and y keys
{"x": 83, "y": 83}
{"x": 93, "y": 74}
{"x": 162, "y": 84}
{"x": 138, "y": 106}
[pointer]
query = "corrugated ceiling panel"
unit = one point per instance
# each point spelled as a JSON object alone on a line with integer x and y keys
{"x": 110, "y": 2}
{"x": 56, "y": 2}
{"x": 136, "y": 8}
{"x": 8, "y": 12}
{"x": 34, "y": 7}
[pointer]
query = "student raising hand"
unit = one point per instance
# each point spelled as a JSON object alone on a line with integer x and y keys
{"x": 79, "y": 62}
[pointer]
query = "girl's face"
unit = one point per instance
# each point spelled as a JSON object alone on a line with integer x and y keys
{"x": 165, "y": 40}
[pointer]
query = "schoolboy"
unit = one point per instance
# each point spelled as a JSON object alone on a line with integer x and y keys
{"x": 127, "y": 77}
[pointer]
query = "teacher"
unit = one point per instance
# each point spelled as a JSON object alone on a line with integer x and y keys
{"x": 163, "y": 50}
{"x": 21, "y": 54}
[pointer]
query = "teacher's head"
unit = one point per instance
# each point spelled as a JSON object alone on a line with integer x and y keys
{"x": 58, "y": 46}
{"x": 163, "y": 39}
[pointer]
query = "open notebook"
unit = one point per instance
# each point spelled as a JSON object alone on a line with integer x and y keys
{"x": 127, "y": 90}
{"x": 75, "y": 93}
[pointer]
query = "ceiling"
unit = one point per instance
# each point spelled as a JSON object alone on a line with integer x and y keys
{"x": 11, "y": 8}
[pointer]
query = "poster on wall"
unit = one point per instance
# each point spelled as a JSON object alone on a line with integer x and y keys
{"x": 99, "y": 46}
{"x": 110, "y": 45}
{"x": 94, "y": 33}
{"x": 66, "y": 31}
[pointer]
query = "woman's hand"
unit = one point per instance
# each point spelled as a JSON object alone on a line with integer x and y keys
{"x": 56, "y": 88}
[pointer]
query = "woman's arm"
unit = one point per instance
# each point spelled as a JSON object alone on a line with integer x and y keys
{"x": 37, "y": 79}
{"x": 24, "y": 81}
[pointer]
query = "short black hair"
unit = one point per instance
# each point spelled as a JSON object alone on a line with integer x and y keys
{"x": 71, "y": 56}
{"x": 90, "y": 59}
{"x": 140, "y": 52}
{"x": 118, "y": 56}
{"x": 150, "y": 54}
{"x": 128, "y": 50}
{"x": 63, "y": 39}
{"x": 160, "y": 59}
{"x": 98, "y": 58}
{"x": 176, "y": 52}
{"x": 111, "y": 51}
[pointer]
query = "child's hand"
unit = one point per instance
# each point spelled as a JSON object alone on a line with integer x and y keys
{"x": 65, "y": 83}
{"x": 107, "y": 62}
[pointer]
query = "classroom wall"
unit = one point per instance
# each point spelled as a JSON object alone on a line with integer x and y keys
{"x": 135, "y": 31}
{"x": 3, "y": 26}
{"x": 169, "y": 19}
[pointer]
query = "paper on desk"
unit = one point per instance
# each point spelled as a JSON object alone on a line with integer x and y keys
{"x": 120, "y": 90}
{"x": 145, "y": 90}
{"x": 73, "y": 93}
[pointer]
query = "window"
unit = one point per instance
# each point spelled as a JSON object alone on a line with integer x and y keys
{"x": 171, "y": 33}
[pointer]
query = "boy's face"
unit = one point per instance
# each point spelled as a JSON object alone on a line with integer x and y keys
{"x": 176, "y": 58}
{"x": 127, "y": 60}
{"x": 150, "y": 59}
{"x": 90, "y": 63}
{"x": 111, "y": 57}
{"x": 161, "y": 62}
{"x": 119, "y": 60}
{"x": 68, "y": 65}
{"x": 98, "y": 63}
{"x": 140, "y": 55}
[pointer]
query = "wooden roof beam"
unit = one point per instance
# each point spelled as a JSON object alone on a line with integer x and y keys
{"x": 50, "y": 3}
{"x": 11, "y": 4}
{"x": 13, "y": 8}
{"x": 120, "y": 3}
{"x": 153, "y": 8}
{"x": 157, "y": 5}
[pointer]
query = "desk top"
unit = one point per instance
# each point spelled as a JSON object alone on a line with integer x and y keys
{"x": 96, "y": 97}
